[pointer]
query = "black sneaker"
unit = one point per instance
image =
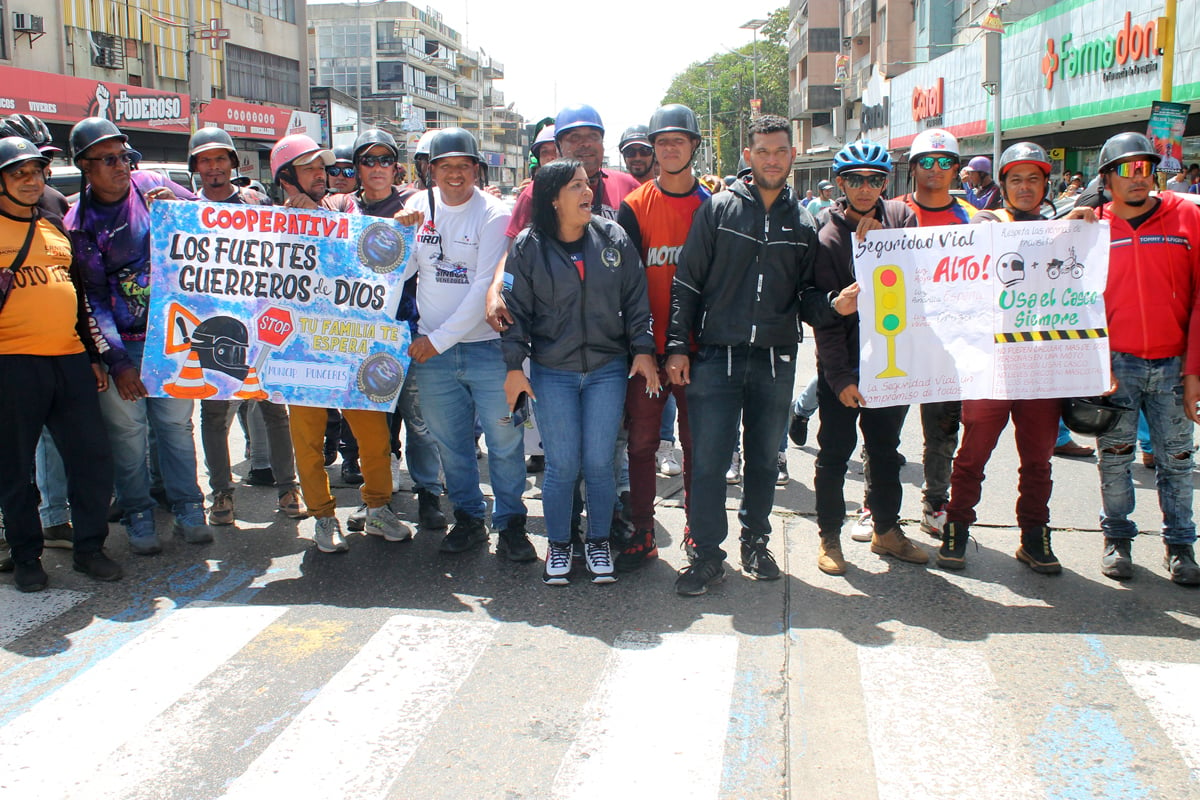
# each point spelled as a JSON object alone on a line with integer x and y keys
{"x": 1035, "y": 551}
{"x": 330, "y": 455}
{"x": 1180, "y": 563}
{"x": 757, "y": 561}
{"x": 535, "y": 464}
{"x": 637, "y": 551}
{"x": 798, "y": 429}
{"x": 699, "y": 575}
{"x": 467, "y": 532}
{"x": 60, "y": 536}
{"x": 357, "y": 521}
{"x": 953, "y": 552}
{"x": 29, "y": 576}
{"x": 513, "y": 542}
{"x": 351, "y": 474}
{"x": 1117, "y": 561}
{"x": 429, "y": 510}
{"x": 264, "y": 476}
{"x": 688, "y": 545}
{"x": 97, "y": 566}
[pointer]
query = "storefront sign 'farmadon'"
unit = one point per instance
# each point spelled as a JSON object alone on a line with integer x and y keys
{"x": 261, "y": 302}
{"x": 1000, "y": 311}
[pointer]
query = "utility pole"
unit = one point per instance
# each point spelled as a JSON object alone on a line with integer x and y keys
{"x": 754, "y": 25}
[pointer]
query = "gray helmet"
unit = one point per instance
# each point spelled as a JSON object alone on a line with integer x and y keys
{"x": 93, "y": 130}
{"x": 634, "y": 134}
{"x": 674, "y": 117}
{"x": 1024, "y": 153}
{"x": 1126, "y": 145}
{"x": 454, "y": 142}
{"x": 371, "y": 137}
{"x": 15, "y": 150}
{"x": 344, "y": 153}
{"x": 211, "y": 138}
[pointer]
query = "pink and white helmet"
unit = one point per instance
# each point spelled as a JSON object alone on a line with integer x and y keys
{"x": 297, "y": 149}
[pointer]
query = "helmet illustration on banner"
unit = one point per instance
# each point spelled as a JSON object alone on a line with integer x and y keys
{"x": 221, "y": 344}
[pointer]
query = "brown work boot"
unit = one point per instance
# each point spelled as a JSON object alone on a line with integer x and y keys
{"x": 221, "y": 511}
{"x": 895, "y": 544}
{"x": 829, "y": 556}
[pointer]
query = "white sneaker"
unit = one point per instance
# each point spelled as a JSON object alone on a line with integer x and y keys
{"x": 383, "y": 522}
{"x": 932, "y": 521}
{"x": 599, "y": 561}
{"x": 734, "y": 474}
{"x": 668, "y": 462}
{"x": 395, "y": 473}
{"x": 327, "y": 533}
{"x": 558, "y": 564}
{"x": 864, "y": 527}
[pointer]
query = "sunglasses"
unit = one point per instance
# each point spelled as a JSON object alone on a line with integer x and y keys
{"x": 345, "y": 172}
{"x": 855, "y": 180}
{"x": 1134, "y": 169}
{"x": 644, "y": 152}
{"x": 943, "y": 162}
{"x": 382, "y": 161}
{"x": 112, "y": 159}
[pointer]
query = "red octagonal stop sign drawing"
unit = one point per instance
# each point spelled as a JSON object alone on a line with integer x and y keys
{"x": 275, "y": 326}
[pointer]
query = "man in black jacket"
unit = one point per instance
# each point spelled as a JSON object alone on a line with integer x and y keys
{"x": 743, "y": 283}
{"x": 862, "y": 170}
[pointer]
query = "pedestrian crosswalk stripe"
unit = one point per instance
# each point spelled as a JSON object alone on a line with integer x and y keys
{"x": 1172, "y": 693}
{"x": 20, "y": 613}
{"x": 925, "y": 703}
{"x": 113, "y": 701}
{"x": 657, "y": 721}
{"x": 357, "y": 734}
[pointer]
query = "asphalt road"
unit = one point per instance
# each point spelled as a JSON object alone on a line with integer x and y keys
{"x": 258, "y": 667}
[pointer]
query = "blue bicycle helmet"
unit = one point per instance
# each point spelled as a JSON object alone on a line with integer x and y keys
{"x": 862, "y": 155}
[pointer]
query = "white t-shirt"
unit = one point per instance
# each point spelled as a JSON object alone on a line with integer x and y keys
{"x": 455, "y": 254}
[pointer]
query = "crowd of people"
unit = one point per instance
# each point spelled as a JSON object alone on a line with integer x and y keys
{"x": 603, "y": 307}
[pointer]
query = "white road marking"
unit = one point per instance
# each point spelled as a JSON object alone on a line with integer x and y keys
{"x": 361, "y": 729}
{"x": 657, "y": 721}
{"x": 101, "y": 708}
{"x": 20, "y": 613}
{"x": 1172, "y": 693}
{"x": 938, "y": 729}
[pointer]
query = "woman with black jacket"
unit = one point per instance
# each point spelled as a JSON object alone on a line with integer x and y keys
{"x": 576, "y": 290}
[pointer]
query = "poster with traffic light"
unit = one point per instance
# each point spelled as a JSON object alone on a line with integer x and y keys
{"x": 267, "y": 303}
{"x": 991, "y": 311}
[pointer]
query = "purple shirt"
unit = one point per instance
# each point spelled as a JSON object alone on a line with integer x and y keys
{"x": 112, "y": 247}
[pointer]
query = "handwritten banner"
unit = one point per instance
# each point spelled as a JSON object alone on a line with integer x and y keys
{"x": 999, "y": 311}
{"x": 290, "y": 305}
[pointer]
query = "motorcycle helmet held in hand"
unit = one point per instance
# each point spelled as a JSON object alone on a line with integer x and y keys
{"x": 1091, "y": 416}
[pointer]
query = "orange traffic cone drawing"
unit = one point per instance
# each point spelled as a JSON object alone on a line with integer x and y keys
{"x": 251, "y": 388}
{"x": 190, "y": 385}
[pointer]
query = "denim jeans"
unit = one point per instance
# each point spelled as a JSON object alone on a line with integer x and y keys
{"x": 806, "y": 404}
{"x": 52, "y": 483}
{"x": 421, "y": 453}
{"x": 456, "y": 386}
{"x": 580, "y": 416}
{"x": 836, "y": 438}
{"x": 727, "y": 383}
{"x": 129, "y": 425}
{"x": 1155, "y": 387}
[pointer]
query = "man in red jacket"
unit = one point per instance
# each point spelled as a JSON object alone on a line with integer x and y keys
{"x": 1150, "y": 298}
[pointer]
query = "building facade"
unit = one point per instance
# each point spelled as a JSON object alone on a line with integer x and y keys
{"x": 412, "y": 73}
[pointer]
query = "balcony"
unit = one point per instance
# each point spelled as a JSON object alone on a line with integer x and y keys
{"x": 860, "y": 18}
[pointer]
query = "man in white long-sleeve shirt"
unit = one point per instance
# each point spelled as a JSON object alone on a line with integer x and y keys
{"x": 456, "y": 358}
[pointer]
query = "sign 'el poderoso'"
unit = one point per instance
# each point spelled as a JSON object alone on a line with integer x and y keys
{"x": 290, "y": 305}
{"x": 992, "y": 311}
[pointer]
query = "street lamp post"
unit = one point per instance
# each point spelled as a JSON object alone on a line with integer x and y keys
{"x": 712, "y": 153}
{"x": 754, "y": 25}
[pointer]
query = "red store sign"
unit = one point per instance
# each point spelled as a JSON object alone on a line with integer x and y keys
{"x": 63, "y": 98}
{"x": 928, "y": 103}
{"x": 249, "y": 121}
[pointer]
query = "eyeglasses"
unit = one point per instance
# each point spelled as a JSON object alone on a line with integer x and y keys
{"x": 345, "y": 172}
{"x": 943, "y": 162}
{"x": 1134, "y": 169}
{"x": 854, "y": 180}
{"x": 382, "y": 161}
{"x": 112, "y": 159}
{"x": 644, "y": 152}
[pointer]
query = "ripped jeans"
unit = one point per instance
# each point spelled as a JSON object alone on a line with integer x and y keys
{"x": 1155, "y": 386}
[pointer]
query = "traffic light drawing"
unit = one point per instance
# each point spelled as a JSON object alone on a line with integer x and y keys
{"x": 891, "y": 316}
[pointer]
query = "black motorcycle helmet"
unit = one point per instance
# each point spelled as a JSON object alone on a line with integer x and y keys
{"x": 15, "y": 150}
{"x": 211, "y": 138}
{"x": 90, "y": 131}
{"x": 1127, "y": 145}
{"x": 371, "y": 137}
{"x": 31, "y": 128}
{"x": 1091, "y": 416}
{"x": 454, "y": 142}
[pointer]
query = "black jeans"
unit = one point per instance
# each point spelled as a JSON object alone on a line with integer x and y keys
{"x": 58, "y": 392}
{"x": 836, "y": 439}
